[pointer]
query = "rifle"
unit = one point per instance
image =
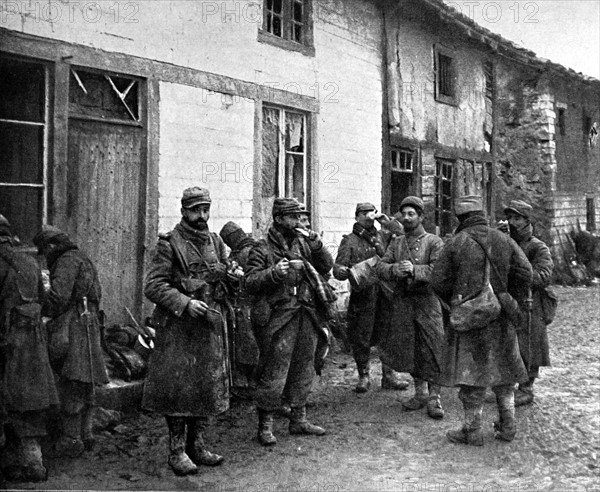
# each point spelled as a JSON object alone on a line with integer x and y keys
{"x": 86, "y": 319}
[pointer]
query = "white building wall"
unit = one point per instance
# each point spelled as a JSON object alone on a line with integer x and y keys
{"x": 221, "y": 38}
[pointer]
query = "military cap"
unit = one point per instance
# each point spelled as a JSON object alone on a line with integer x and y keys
{"x": 48, "y": 234}
{"x": 467, "y": 203}
{"x": 365, "y": 207}
{"x": 412, "y": 201}
{"x": 287, "y": 206}
{"x": 305, "y": 211}
{"x": 232, "y": 234}
{"x": 519, "y": 207}
{"x": 195, "y": 196}
{"x": 4, "y": 226}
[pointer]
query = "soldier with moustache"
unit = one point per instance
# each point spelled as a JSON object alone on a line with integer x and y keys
{"x": 415, "y": 337}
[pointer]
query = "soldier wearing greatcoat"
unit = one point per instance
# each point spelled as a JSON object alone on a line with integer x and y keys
{"x": 533, "y": 340}
{"x": 285, "y": 273}
{"x": 368, "y": 307}
{"x": 414, "y": 340}
{"x": 487, "y": 356}
{"x": 188, "y": 369}
{"x": 27, "y": 389}
{"x": 74, "y": 339}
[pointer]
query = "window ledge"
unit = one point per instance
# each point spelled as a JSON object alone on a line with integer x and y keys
{"x": 286, "y": 44}
{"x": 451, "y": 101}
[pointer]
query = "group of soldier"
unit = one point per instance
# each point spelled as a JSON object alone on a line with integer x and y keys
{"x": 257, "y": 317}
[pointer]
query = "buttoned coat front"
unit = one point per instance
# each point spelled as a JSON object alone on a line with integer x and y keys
{"x": 413, "y": 341}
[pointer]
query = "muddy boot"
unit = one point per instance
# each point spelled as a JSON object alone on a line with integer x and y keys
{"x": 364, "y": 382}
{"x": 434, "y": 403}
{"x": 300, "y": 425}
{"x": 195, "y": 447}
{"x": 69, "y": 444}
{"x": 265, "y": 428}
{"x": 87, "y": 435}
{"x": 33, "y": 467}
{"x": 524, "y": 395}
{"x": 179, "y": 461}
{"x": 390, "y": 379}
{"x": 419, "y": 400}
{"x": 505, "y": 428}
{"x": 470, "y": 433}
{"x": 284, "y": 410}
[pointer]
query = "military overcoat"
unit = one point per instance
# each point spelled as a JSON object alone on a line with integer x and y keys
{"x": 188, "y": 372}
{"x": 488, "y": 356}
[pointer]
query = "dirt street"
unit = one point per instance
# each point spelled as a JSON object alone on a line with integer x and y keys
{"x": 373, "y": 445}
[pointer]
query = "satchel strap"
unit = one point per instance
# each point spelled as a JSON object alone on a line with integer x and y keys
{"x": 488, "y": 262}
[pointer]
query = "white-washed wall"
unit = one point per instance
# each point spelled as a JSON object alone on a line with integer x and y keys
{"x": 206, "y": 139}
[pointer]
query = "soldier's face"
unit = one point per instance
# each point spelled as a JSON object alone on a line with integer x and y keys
{"x": 304, "y": 222}
{"x": 197, "y": 215}
{"x": 366, "y": 219}
{"x": 410, "y": 218}
{"x": 516, "y": 222}
{"x": 288, "y": 222}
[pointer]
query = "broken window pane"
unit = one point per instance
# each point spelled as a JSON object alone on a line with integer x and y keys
{"x": 270, "y": 151}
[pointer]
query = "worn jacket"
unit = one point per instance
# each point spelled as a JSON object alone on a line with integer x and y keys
{"x": 413, "y": 342}
{"x": 279, "y": 300}
{"x": 73, "y": 276}
{"x": 188, "y": 372}
{"x": 489, "y": 356}
{"x": 540, "y": 258}
{"x": 26, "y": 380}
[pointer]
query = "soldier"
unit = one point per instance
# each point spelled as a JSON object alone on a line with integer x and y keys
{"x": 487, "y": 356}
{"x": 285, "y": 271}
{"x": 368, "y": 308}
{"x": 188, "y": 370}
{"x": 74, "y": 336}
{"x": 533, "y": 340}
{"x": 27, "y": 389}
{"x": 414, "y": 341}
{"x": 243, "y": 346}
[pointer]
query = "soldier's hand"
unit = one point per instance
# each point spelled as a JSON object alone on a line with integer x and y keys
{"x": 503, "y": 226}
{"x": 196, "y": 309}
{"x": 397, "y": 271}
{"x": 343, "y": 273}
{"x": 407, "y": 267}
{"x": 282, "y": 268}
{"x": 219, "y": 271}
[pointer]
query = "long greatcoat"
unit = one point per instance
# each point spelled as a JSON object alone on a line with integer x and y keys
{"x": 27, "y": 382}
{"x": 72, "y": 277}
{"x": 540, "y": 258}
{"x": 188, "y": 373}
{"x": 368, "y": 309}
{"x": 414, "y": 339}
{"x": 489, "y": 356}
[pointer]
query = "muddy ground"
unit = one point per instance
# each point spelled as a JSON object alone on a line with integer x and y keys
{"x": 372, "y": 444}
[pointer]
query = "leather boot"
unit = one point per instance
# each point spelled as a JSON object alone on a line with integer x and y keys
{"x": 524, "y": 395}
{"x": 33, "y": 467}
{"x": 390, "y": 380}
{"x": 505, "y": 427}
{"x": 300, "y": 425}
{"x": 470, "y": 433}
{"x": 265, "y": 428}
{"x": 69, "y": 444}
{"x": 87, "y": 434}
{"x": 364, "y": 382}
{"x": 195, "y": 447}
{"x": 179, "y": 461}
{"x": 434, "y": 403}
{"x": 419, "y": 400}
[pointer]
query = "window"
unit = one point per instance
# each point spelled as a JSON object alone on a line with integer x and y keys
{"x": 443, "y": 196}
{"x": 445, "y": 75}
{"x": 561, "y": 121}
{"x": 288, "y": 24}
{"x": 590, "y": 214}
{"x": 284, "y": 155}
{"x": 402, "y": 181}
{"x": 23, "y": 145}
